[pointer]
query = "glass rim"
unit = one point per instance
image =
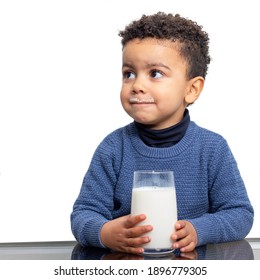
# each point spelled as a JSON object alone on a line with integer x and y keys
{"x": 153, "y": 171}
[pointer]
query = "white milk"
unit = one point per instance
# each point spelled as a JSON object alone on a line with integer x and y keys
{"x": 159, "y": 206}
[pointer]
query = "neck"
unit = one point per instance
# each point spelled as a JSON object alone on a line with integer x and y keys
{"x": 164, "y": 137}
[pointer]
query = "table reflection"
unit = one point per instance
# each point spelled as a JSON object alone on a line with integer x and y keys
{"x": 237, "y": 250}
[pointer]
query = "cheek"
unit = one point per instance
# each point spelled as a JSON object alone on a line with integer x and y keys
{"x": 170, "y": 100}
{"x": 122, "y": 95}
{"x": 123, "y": 98}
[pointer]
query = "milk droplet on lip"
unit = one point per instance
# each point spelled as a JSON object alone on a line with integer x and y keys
{"x": 138, "y": 100}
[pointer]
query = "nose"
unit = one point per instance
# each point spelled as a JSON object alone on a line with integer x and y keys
{"x": 138, "y": 86}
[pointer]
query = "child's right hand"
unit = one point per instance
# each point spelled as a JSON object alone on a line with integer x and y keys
{"x": 124, "y": 235}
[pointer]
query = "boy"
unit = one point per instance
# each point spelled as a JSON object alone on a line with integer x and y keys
{"x": 165, "y": 61}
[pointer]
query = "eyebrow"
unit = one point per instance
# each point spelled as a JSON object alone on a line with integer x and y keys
{"x": 148, "y": 65}
{"x": 125, "y": 64}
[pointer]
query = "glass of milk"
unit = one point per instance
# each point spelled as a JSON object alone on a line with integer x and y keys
{"x": 154, "y": 195}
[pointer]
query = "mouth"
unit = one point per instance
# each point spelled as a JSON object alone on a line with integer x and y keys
{"x": 135, "y": 100}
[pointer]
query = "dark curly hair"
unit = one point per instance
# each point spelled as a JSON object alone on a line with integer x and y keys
{"x": 193, "y": 41}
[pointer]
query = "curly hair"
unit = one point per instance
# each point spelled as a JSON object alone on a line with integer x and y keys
{"x": 193, "y": 41}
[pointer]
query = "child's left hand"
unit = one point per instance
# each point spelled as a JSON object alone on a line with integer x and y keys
{"x": 185, "y": 237}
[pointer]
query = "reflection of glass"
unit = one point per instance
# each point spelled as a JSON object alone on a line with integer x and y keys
{"x": 154, "y": 195}
{"x": 237, "y": 250}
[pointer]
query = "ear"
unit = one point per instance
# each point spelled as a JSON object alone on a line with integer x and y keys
{"x": 194, "y": 89}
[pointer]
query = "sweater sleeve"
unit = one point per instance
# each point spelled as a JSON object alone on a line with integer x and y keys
{"x": 231, "y": 213}
{"x": 94, "y": 204}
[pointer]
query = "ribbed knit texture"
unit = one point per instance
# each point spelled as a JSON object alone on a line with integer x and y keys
{"x": 210, "y": 191}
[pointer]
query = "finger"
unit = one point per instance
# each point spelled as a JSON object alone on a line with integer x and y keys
{"x": 132, "y": 245}
{"x": 137, "y": 242}
{"x": 180, "y": 224}
{"x": 137, "y": 251}
{"x": 189, "y": 248}
{"x": 138, "y": 230}
{"x": 131, "y": 221}
{"x": 179, "y": 234}
{"x": 180, "y": 243}
{"x": 131, "y": 250}
{"x": 183, "y": 243}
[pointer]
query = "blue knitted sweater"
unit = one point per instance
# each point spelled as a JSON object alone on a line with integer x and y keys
{"x": 209, "y": 188}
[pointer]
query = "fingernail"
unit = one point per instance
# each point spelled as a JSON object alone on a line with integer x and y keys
{"x": 142, "y": 216}
{"x": 141, "y": 251}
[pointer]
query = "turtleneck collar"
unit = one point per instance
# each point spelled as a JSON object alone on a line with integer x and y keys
{"x": 164, "y": 137}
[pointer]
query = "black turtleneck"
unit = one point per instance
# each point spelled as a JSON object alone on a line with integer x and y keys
{"x": 164, "y": 137}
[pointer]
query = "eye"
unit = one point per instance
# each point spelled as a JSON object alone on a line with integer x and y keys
{"x": 156, "y": 74}
{"x": 128, "y": 75}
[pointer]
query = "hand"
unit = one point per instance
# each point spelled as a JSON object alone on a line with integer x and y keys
{"x": 124, "y": 235}
{"x": 185, "y": 237}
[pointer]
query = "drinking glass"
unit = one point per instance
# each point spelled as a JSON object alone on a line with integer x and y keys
{"x": 154, "y": 195}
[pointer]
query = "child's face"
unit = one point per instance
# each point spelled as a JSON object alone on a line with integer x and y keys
{"x": 155, "y": 86}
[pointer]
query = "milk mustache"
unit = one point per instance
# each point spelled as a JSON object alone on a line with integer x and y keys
{"x": 158, "y": 203}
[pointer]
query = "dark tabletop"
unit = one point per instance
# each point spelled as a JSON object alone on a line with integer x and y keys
{"x": 247, "y": 249}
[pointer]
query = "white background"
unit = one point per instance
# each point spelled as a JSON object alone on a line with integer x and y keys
{"x": 60, "y": 78}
